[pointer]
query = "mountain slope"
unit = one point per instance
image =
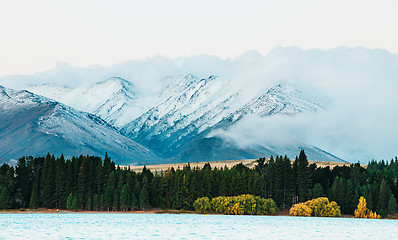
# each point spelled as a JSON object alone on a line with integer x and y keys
{"x": 185, "y": 111}
{"x": 170, "y": 112}
{"x": 193, "y": 108}
{"x": 34, "y": 125}
{"x": 112, "y": 99}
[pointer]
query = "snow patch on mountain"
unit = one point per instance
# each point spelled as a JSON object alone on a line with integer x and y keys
{"x": 114, "y": 99}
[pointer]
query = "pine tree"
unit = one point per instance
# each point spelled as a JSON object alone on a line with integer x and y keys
{"x": 69, "y": 202}
{"x": 370, "y": 198}
{"x": 48, "y": 181}
{"x": 96, "y": 203}
{"x": 334, "y": 189}
{"x": 116, "y": 198}
{"x": 350, "y": 197}
{"x": 392, "y": 205}
{"x": 22, "y": 182}
{"x": 278, "y": 186}
{"x": 60, "y": 178}
{"x": 34, "y": 198}
{"x": 384, "y": 196}
{"x": 102, "y": 202}
{"x": 89, "y": 203}
{"x": 108, "y": 198}
{"x": 82, "y": 181}
{"x": 5, "y": 199}
{"x": 154, "y": 191}
{"x": 317, "y": 191}
{"x": 341, "y": 195}
{"x": 303, "y": 177}
{"x": 144, "y": 197}
{"x": 125, "y": 198}
{"x": 74, "y": 204}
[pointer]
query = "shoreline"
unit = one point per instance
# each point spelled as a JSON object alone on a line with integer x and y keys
{"x": 284, "y": 213}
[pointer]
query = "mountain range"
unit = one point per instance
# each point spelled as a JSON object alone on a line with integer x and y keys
{"x": 181, "y": 117}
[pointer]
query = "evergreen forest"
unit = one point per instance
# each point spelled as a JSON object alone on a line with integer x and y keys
{"x": 93, "y": 183}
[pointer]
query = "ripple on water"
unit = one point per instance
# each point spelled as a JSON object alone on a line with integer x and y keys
{"x": 148, "y": 226}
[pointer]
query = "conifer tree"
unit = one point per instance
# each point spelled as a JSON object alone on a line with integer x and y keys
{"x": 125, "y": 198}
{"x": 116, "y": 198}
{"x": 384, "y": 196}
{"x": 350, "y": 199}
{"x": 295, "y": 183}
{"x": 341, "y": 195}
{"x": 96, "y": 203}
{"x": 144, "y": 197}
{"x": 89, "y": 203}
{"x": 370, "y": 198}
{"x": 69, "y": 202}
{"x": 75, "y": 205}
{"x": 102, "y": 202}
{"x": 34, "y": 198}
{"x": 154, "y": 192}
{"x": 4, "y": 199}
{"x": 60, "y": 178}
{"x": 133, "y": 202}
{"x": 392, "y": 205}
{"x": 82, "y": 181}
{"x": 48, "y": 181}
{"x": 108, "y": 198}
{"x": 259, "y": 186}
{"x": 303, "y": 177}
{"x": 317, "y": 191}
{"x": 22, "y": 182}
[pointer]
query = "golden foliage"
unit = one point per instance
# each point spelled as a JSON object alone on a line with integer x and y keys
{"x": 238, "y": 205}
{"x": 318, "y": 207}
{"x": 373, "y": 215}
{"x": 202, "y": 205}
{"x": 362, "y": 210}
{"x": 300, "y": 209}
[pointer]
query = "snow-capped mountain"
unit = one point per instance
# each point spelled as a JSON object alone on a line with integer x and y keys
{"x": 177, "y": 119}
{"x": 193, "y": 107}
{"x": 34, "y": 125}
{"x": 338, "y": 100}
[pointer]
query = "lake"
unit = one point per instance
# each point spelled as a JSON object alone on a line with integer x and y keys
{"x": 187, "y": 226}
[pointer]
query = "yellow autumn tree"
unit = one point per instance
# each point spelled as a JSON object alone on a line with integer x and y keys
{"x": 318, "y": 207}
{"x": 373, "y": 215}
{"x": 321, "y": 207}
{"x": 300, "y": 209}
{"x": 362, "y": 210}
{"x": 237, "y": 205}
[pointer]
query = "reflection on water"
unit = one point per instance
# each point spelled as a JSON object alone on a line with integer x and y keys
{"x": 185, "y": 226}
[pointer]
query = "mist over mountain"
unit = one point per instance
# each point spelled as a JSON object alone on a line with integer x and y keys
{"x": 339, "y": 100}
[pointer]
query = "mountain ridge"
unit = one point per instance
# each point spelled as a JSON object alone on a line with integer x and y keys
{"x": 187, "y": 109}
{"x": 194, "y": 106}
{"x": 34, "y": 125}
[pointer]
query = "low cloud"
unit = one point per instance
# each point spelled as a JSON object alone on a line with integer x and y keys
{"x": 361, "y": 84}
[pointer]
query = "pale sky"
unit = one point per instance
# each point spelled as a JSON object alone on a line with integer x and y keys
{"x": 34, "y": 35}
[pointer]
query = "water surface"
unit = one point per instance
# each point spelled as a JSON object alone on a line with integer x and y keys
{"x": 186, "y": 226}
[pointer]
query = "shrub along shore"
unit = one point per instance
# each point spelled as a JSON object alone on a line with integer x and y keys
{"x": 88, "y": 183}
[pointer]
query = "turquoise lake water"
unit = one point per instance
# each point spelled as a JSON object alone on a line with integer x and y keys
{"x": 186, "y": 226}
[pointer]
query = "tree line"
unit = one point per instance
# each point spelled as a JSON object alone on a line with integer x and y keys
{"x": 90, "y": 183}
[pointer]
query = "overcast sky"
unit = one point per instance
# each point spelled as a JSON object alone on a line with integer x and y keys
{"x": 34, "y": 35}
